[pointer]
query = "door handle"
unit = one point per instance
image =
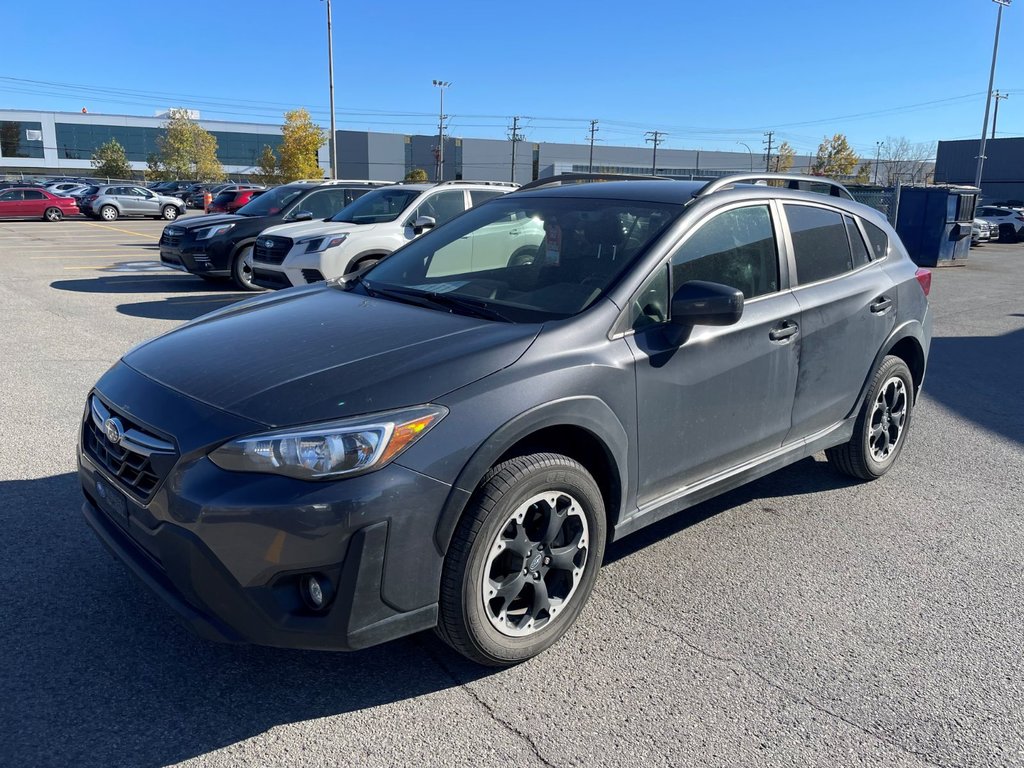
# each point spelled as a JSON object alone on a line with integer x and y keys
{"x": 879, "y": 305}
{"x": 784, "y": 331}
{"x": 513, "y": 232}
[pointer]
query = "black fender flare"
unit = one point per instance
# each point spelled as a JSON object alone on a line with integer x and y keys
{"x": 585, "y": 412}
{"x": 911, "y": 329}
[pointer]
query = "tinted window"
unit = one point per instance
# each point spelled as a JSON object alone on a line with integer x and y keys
{"x": 34, "y": 194}
{"x": 324, "y": 202}
{"x": 478, "y": 196}
{"x": 736, "y": 248}
{"x": 820, "y": 245}
{"x": 877, "y": 238}
{"x": 354, "y": 194}
{"x": 13, "y": 194}
{"x": 857, "y": 247}
{"x": 378, "y": 206}
{"x": 442, "y": 206}
{"x": 273, "y": 202}
{"x": 650, "y": 307}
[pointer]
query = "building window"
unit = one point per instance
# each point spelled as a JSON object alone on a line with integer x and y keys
{"x": 21, "y": 138}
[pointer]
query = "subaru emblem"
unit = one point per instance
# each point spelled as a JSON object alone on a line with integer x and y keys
{"x": 114, "y": 430}
{"x": 268, "y": 243}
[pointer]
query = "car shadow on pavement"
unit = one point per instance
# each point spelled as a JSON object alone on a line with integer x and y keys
{"x": 141, "y": 282}
{"x": 182, "y": 307}
{"x": 96, "y": 671}
{"x": 980, "y": 378}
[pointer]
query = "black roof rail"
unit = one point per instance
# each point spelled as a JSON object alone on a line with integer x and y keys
{"x": 580, "y": 178}
{"x": 793, "y": 182}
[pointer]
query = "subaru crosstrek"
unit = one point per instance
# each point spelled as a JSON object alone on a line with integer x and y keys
{"x": 449, "y": 439}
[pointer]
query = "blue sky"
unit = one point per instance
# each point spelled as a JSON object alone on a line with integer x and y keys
{"x": 710, "y": 75}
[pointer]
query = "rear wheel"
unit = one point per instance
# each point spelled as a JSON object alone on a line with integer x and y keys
{"x": 241, "y": 269}
{"x": 523, "y": 559}
{"x": 53, "y": 214}
{"x": 108, "y": 213}
{"x": 881, "y": 427}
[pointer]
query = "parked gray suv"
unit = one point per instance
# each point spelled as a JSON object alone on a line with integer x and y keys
{"x": 449, "y": 438}
{"x": 110, "y": 202}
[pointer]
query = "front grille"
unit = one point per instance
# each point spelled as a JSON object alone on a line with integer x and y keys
{"x": 312, "y": 275}
{"x": 138, "y": 459}
{"x": 171, "y": 236}
{"x": 271, "y": 250}
{"x": 269, "y": 278}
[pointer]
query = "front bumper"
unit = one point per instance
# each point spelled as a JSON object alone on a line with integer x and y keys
{"x": 228, "y": 551}
{"x": 195, "y": 258}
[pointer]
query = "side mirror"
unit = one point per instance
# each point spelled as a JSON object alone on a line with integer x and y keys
{"x": 303, "y": 216}
{"x": 699, "y": 302}
{"x": 423, "y": 223}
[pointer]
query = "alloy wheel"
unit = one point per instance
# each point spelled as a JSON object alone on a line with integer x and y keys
{"x": 888, "y": 418}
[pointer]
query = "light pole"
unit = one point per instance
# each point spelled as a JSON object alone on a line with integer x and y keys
{"x": 878, "y": 154}
{"x": 988, "y": 93}
{"x": 439, "y": 173}
{"x": 330, "y": 70}
{"x": 743, "y": 143}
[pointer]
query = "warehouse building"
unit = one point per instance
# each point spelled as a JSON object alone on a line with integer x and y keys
{"x": 62, "y": 143}
{"x": 1002, "y": 179}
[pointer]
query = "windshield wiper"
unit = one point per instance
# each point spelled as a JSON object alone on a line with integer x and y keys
{"x": 471, "y": 306}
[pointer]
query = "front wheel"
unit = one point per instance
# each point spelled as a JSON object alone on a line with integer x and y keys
{"x": 241, "y": 270}
{"x": 880, "y": 431}
{"x": 169, "y": 212}
{"x": 523, "y": 559}
{"x": 108, "y": 213}
{"x": 53, "y": 214}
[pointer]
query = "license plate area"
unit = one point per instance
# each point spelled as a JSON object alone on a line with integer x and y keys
{"x": 111, "y": 501}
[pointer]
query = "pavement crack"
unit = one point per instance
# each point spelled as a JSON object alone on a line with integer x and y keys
{"x": 492, "y": 713}
{"x": 739, "y": 665}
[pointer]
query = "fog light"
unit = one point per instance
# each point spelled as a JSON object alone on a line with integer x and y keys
{"x": 313, "y": 592}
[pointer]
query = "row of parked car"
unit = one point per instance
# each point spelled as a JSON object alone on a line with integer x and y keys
{"x": 998, "y": 222}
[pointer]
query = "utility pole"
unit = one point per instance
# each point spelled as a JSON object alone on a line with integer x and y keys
{"x": 988, "y": 93}
{"x": 515, "y": 137}
{"x": 441, "y": 117}
{"x": 330, "y": 70}
{"x": 878, "y": 154}
{"x": 655, "y": 138}
{"x": 995, "y": 115}
{"x": 593, "y": 129}
{"x": 768, "y": 157}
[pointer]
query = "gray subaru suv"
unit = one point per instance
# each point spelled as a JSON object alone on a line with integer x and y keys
{"x": 449, "y": 439}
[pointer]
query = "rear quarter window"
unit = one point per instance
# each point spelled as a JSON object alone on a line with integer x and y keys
{"x": 877, "y": 238}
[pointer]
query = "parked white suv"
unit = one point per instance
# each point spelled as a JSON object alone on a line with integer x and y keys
{"x": 999, "y": 215}
{"x": 365, "y": 231}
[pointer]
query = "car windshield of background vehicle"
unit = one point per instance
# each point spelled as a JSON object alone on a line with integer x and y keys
{"x": 377, "y": 207}
{"x": 272, "y": 202}
{"x": 527, "y": 259}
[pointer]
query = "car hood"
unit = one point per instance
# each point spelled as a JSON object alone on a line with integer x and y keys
{"x": 169, "y": 199}
{"x": 300, "y": 229}
{"x": 320, "y": 353}
{"x": 201, "y": 222}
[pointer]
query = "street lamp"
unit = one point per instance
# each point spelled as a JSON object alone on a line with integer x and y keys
{"x": 988, "y": 93}
{"x": 438, "y": 174}
{"x": 878, "y": 154}
{"x": 330, "y": 69}
{"x": 743, "y": 143}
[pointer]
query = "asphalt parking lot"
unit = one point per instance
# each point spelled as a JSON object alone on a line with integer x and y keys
{"x": 801, "y": 620}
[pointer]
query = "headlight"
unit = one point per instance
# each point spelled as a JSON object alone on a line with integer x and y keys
{"x": 330, "y": 450}
{"x": 318, "y": 244}
{"x": 208, "y": 232}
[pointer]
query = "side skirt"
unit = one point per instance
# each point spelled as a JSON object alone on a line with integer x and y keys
{"x": 717, "y": 484}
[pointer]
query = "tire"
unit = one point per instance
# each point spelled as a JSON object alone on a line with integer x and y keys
{"x": 241, "y": 269}
{"x": 53, "y": 214}
{"x": 108, "y": 213}
{"x": 504, "y": 542}
{"x": 169, "y": 213}
{"x": 369, "y": 261}
{"x": 880, "y": 431}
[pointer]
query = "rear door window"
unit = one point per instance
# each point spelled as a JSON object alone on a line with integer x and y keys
{"x": 821, "y": 247}
{"x": 478, "y": 196}
{"x": 34, "y": 194}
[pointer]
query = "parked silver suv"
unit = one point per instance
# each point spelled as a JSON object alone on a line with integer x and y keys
{"x": 112, "y": 201}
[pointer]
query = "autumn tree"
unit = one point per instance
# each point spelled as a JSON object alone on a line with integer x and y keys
{"x": 417, "y": 174}
{"x": 300, "y": 143}
{"x": 269, "y": 169}
{"x": 863, "y": 173}
{"x": 187, "y": 150}
{"x": 783, "y": 161}
{"x": 154, "y": 170}
{"x": 835, "y": 158}
{"x": 110, "y": 161}
{"x": 902, "y": 160}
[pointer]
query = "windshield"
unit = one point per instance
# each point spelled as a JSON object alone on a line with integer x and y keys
{"x": 270, "y": 202}
{"x": 378, "y": 206}
{"x": 528, "y": 258}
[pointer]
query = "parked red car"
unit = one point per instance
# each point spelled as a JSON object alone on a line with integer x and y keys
{"x": 35, "y": 203}
{"x": 231, "y": 200}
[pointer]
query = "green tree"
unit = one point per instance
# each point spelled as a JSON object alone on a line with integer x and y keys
{"x": 783, "y": 161}
{"x": 269, "y": 170}
{"x": 417, "y": 174}
{"x": 187, "y": 150}
{"x": 301, "y": 140}
{"x": 154, "y": 170}
{"x": 863, "y": 173}
{"x": 835, "y": 158}
{"x": 110, "y": 161}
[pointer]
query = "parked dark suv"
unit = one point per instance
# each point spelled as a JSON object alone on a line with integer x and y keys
{"x": 220, "y": 246}
{"x": 448, "y": 439}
